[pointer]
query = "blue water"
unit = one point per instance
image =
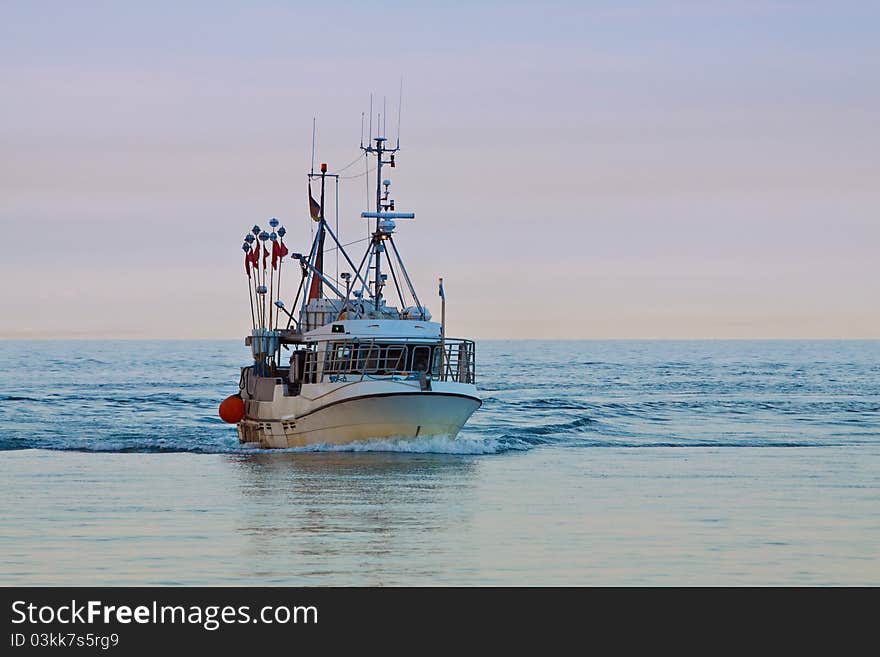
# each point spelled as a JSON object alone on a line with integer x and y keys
{"x": 595, "y": 462}
{"x": 163, "y": 396}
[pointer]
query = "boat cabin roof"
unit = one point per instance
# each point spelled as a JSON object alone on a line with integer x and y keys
{"x": 390, "y": 329}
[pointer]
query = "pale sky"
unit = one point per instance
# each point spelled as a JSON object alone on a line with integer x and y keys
{"x": 578, "y": 169}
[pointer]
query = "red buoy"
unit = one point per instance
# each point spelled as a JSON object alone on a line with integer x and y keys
{"x": 232, "y": 409}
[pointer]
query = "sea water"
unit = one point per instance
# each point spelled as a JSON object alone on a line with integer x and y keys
{"x": 589, "y": 463}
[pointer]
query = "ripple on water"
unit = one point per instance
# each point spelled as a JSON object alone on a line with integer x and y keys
{"x": 162, "y": 396}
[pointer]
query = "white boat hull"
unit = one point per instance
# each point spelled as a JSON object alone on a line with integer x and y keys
{"x": 362, "y": 417}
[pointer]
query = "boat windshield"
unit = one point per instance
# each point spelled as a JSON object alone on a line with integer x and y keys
{"x": 343, "y": 359}
{"x": 381, "y": 358}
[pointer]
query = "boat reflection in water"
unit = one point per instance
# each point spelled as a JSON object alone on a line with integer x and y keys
{"x": 315, "y": 516}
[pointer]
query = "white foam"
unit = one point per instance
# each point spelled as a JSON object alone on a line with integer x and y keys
{"x": 424, "y": 445}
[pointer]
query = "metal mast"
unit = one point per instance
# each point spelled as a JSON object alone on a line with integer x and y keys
{"x": 383, "y": 203}
{"x": 314, "y": 279}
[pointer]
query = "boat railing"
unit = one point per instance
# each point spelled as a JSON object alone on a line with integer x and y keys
{"x": 355, "y": 359}
{"x": 459, "y": 361}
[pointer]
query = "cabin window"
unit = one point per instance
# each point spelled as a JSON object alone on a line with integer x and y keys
{"x": 381, "y": 359}
{"x": 371, "y": 357}
{"x": 421, "y": 358}
{"x": 435, "y": 367}
{"x": 338, "y": 357}
{"x": 395, "y": 358}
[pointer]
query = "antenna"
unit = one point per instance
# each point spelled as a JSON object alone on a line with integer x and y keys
{"x": 385, "y": 116}
{"x": 399, "y": 107}
{"x": 370, "y": 136}
{"x": 314, "y": 120}
{"x": 362, "y": 129}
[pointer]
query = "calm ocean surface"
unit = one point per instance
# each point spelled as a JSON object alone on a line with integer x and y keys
{"x": 590, "y": 463}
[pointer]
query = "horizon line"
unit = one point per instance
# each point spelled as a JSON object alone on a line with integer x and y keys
{"x": 532, "y": 339}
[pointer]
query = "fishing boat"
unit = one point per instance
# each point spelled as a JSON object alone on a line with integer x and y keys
{"x": 345, "y": 365}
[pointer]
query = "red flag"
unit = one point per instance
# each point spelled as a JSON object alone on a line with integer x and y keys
{"x": 247, "y": 262}
{"x": 314, "y": 206}
{"x": 276, "y": 254}
{"x": 265, "y": 255}
{"x": 316, "y": 289}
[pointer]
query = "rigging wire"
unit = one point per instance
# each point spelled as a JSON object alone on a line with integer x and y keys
{"x": 350, "y": 164}
{"x": 358, "y": 175}
{"x": 335, "y": 248}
